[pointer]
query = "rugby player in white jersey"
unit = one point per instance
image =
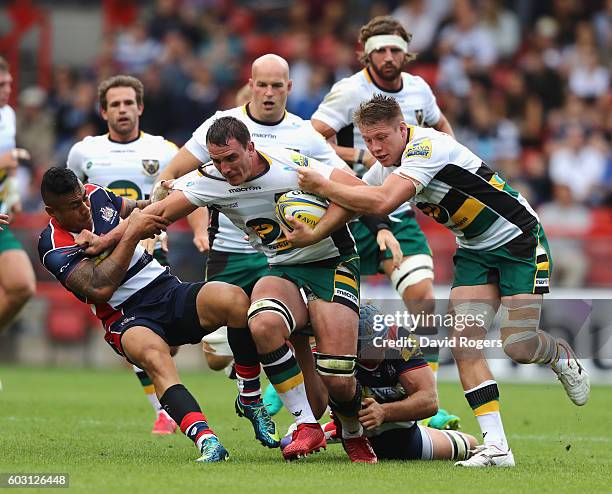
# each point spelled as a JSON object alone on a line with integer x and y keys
{"x": 231, "y": 258}
{"x": 145, "y": 310}
{"x": 126, "y": 161}
{"x": 17, "y": 281}
{"x": 385, "y": 53}
{"x": 244, "y": 184}
{"x": 502, "y": 260}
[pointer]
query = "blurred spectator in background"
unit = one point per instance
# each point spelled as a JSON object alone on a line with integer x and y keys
{"x": 422, "y": 18}
{"x": 318, "y": 86}
{"x": 158, "y": 119}
{"x": 503, "y": 25}
{"x": 577, "y": 164}
{"x": 512, "y": 98}
{"x": 465, "y": 49}
{"x": 588, "y": 78}
{"x": 568, "y": 224}
{"x": 79, "y": 109}
{"x": 35, "y": 125}
{"x": 135, "y": 50}
{"x": 602, "y": 23}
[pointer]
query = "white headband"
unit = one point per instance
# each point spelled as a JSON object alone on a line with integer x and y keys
{"x": 380, "y": 40}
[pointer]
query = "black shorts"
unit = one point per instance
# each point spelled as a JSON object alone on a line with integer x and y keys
{"x": 167, "y": 307}
{"x": 399, "y": 444}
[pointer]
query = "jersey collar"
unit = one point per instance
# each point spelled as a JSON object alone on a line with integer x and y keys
{"x": 370, "y": 79}
{"x": 261, "y": 122}
{"x": 140, "y": 134}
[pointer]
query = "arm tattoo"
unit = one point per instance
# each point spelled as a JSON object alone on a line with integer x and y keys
{"x": 130, "y": 204}
{"x": 89, "y": 278}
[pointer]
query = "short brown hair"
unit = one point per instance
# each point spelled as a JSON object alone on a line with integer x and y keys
{"x": 120, "y": 81}
{"x": 383, "y": 24}
{"x": 380, "y": 108}
{"x": 225, "y": 128}
{"x": 4, "y": 66}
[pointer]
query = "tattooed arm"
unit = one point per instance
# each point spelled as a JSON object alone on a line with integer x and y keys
{"x": 98, "y": 278}
{"x": 130, "y": 204}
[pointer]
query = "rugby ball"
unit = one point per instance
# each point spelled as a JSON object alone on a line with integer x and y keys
{"x": 303, "y": 206}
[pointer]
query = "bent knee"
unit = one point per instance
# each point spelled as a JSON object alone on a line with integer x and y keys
{"x": 155, "y": 359}
{"x": 266, "y": 326}
{"x": 20, "y": 291}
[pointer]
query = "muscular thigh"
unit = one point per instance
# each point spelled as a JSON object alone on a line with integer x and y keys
{"x": 136, "y": 341}
{"x": 15, "y": 270}
{"x": 335, "y": 327}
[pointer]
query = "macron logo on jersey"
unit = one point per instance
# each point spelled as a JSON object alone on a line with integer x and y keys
{"x": 244, "y": 189}
{"x": 263, "y": 136}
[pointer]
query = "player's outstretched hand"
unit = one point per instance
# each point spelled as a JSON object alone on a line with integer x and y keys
{"x": 386, "y": 240}
{"x": 301, "y": 236}
{"x": 161, "y": 190}
{"x": 310, "y": 180}
{"x": 146, "y": 225}
{"x": 372, "y": 414}
{"x": 4, "y": 220}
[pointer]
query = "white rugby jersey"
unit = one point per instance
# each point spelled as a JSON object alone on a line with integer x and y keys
{"x": 7, "y": 142}
{"x": 129, "y": 169}
{"x": 415, "y": 98}
{"x": 459, "y": 191}
{"x": 251, "y": 206}
{"x": 290, "y": 132}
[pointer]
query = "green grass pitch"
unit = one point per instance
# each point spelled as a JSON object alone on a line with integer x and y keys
{"x": 95, "y": 426}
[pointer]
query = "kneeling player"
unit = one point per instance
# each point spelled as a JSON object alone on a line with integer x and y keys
{"x": 399, "y": 388}
{"x": 143, "y": 308}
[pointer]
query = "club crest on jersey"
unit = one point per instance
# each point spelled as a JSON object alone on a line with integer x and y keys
{"x": 107, "y": 213}
{"x": 420, "y": 117}
{"x": 150, "y": 167}
{"x": 420, "y": 149}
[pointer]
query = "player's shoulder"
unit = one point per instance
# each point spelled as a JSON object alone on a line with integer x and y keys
{"x": 414, "y": 81}
{"x": 352, "y": 83}
{"x": 97, "y": 193}
{"x": 91, "y": 144}
{"x": 307, "y": 131}
{"x": 424, "y": 142}
{"x": 277, "y": 155}
{"x": 239, "y": 112}
{"x": 54, "y": 237}
{"x": 158, "y": 141}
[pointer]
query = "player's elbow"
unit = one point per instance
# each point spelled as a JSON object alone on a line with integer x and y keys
{"x": 382, "y": 206}
{"x": 430, "y": 403}
{"x": 100, "y": 295}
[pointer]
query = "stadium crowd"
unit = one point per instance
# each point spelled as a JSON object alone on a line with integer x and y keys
{"x": 525, "y": 85}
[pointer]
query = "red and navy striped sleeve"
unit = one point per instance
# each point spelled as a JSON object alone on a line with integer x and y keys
{"x": 58, "y": 251}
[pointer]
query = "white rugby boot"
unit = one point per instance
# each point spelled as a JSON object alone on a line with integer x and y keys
{"x": 488, "y": 456}
{"x": 572, "y": 375}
